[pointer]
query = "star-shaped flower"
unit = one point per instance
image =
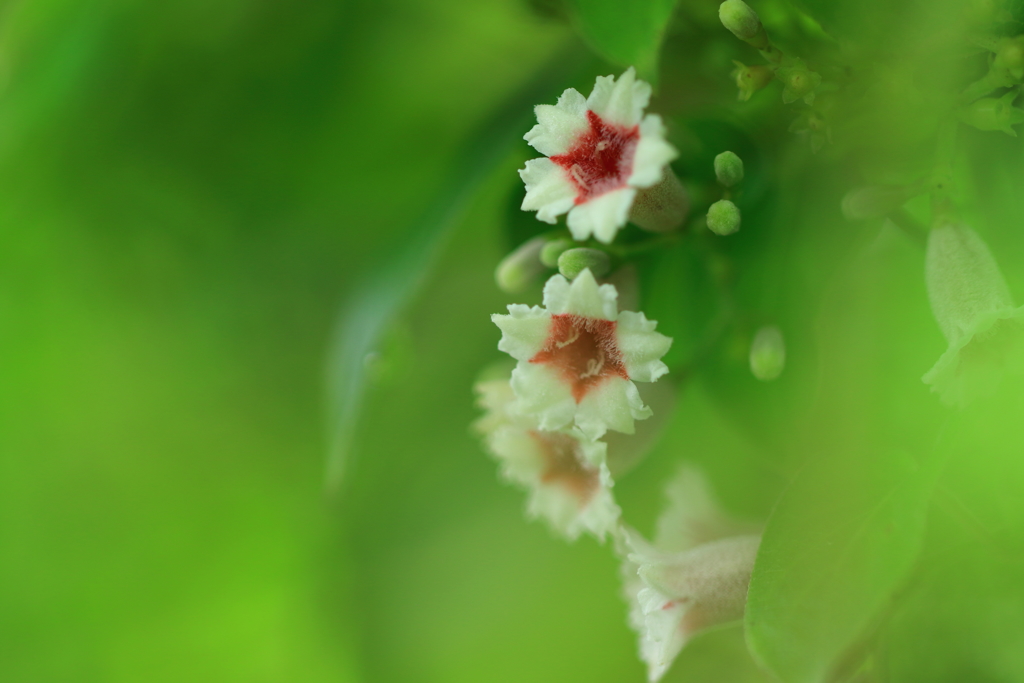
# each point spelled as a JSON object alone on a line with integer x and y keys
{"x": 598, "y": 152}
{"x": 579, "y": 356}
{"x": 565, "y": 473}
{"x": 693, "y": 577}
{"x": 974, "y": 309}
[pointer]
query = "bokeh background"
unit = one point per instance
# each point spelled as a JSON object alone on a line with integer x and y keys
{"x": 193, "y": 197}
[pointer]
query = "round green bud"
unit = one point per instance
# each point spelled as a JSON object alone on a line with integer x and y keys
{"x": 723, "y": 217}
{"x": 573, "y": 261}
{"x": 768, "y": 353}
{"x": 728, "y": 169}
{"x": 521, "y": 268}
{"x": 1009, "y": 59}
{"x": 552, "y": 250}
{"x": 738, "y": 17}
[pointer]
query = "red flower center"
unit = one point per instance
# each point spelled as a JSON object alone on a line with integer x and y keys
{"x": 583, "y": 351}
{"x": 564, "y": 465}
{"x": 601, "y": 160}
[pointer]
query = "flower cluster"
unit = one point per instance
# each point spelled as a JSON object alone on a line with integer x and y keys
{"x": 560, "y": 422}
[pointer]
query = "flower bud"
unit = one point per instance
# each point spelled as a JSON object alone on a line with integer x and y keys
{"x": 572, "y": 262}
{"x": 768, "y": 353}
{"x": 552, "y": 250}
{"x": 750, "y": 79}
{"x": 993, "y": 113}
{"x": 521, "y": 268}
{"x": 738, "y": 17}
{"x": 1009, "y": 58}
{"x": 663, "y": 207}
{"x": 963, "y": 279}
{"x": 723, "y": 217}
{"x": 799, "y": 81}
{"x": 728, "y": 169}
{"x": 876, "y": 201}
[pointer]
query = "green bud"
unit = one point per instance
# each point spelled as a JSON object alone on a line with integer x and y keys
{"x": 662, "y": 207}
{"x": 573, "y": 261}
{"x": 728, "y": 169}
{"x": 521, "y": 268}
{"x": 750, "y": 79}
{"x": 768, "y": 353}
{"x": 877, "y": 201}
{"x": 723, "y": 217}
{"x": 799, "y": 82}
{"x": 744, "y": 23}
{"x": 992, "y": 113}
{"x": 1009, "y": 59}
{"x": 552, "y": 250}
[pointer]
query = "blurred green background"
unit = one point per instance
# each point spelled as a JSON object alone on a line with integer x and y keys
{"x": 192, "y": 193}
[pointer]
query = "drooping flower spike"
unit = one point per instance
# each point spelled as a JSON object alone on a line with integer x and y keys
{"x": 599, "y": 152}
{"x": 579, "y": 356}
{"x": 565, "y": 473}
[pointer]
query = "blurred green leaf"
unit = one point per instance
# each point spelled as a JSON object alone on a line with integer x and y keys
{"x": 626, "y": 33}
{"x": 841, "y": 540}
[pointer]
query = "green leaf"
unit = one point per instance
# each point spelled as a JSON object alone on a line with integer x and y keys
{"x": 840, "y": 542}
{"x": 625, "y": 33}
{"x": 372, "y": 307}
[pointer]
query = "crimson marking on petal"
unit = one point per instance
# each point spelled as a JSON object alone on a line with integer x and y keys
{"x": 564, "y": 465}
{"x": 583, "y": 351}
{"x": 601, "y": 159}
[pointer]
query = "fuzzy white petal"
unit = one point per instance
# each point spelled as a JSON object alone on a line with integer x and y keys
{"x": 559, "y": 125}
{"x": 582, "y": 297}
{"x": 520, "y": 459}
{"x": 599, "y": 515}
{"x": 641, "y": 346}
{"x": 523, "y": 330}
{"x": 652, "y": 154}
{"x": 548, "y": 191}
{"x": 601, "y": 216}
{"x": 543, "y": 395}
{"x": 620, "y": 101}
{"x": 613, "y": 404}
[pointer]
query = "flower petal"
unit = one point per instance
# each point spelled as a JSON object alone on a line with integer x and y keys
{"x": 601, "y": 216}
{"x": 613, "y": 404}
{"x": 524, "y": 330}
{"x": 621, "y": 102}
{"x": 641, "y": 346}
{"x": 582, "y": 297}
{"x": 548, "y": 191}
{"x": 652, "y": 153}
{"x": 543, "y": 395}
{"x": 559, "y": 125}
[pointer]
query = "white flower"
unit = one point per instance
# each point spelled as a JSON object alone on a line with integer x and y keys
{"x": 565, "y": 473}
{"x": 693, "y": 577}
{"x": 579, "y": 356}
{"x": 974, "y": 309}
{"x": 598, "y": 152}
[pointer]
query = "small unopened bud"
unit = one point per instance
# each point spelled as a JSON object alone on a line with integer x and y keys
{"x": 552, "y": 250}
{"x": 768, "y": 353}
{"x": 728, "y": 169}
{"x": 572, "y": 262}
{"x": 723, "y": 217}
{"x": 799, "y": 81}
{"x": 993, "y": 113}
{"x": 663, "y": 207}
{"x": 750, "y": 79}
{"x": 521, "y": 268}
{"x": 738, "y": 17}
{"x": 1009, "y": 58}
{"x": 876, "y": 201}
